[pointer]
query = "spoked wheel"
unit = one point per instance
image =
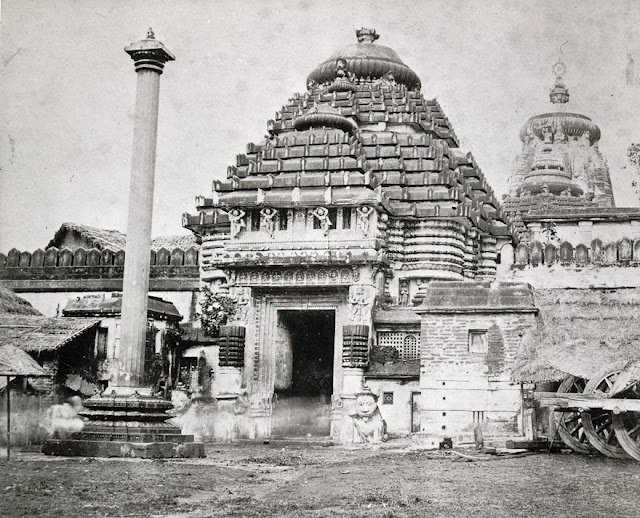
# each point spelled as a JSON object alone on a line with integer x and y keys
{"x": 598, "y": 424}
{"x": 627, "y": 424}
{"x": 569, "y": 424}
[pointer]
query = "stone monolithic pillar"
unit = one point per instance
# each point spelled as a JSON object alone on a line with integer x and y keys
{"x": 149, "y": 56}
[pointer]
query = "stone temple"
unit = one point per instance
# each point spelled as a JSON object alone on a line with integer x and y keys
{"x": 367, "y": 273}
{"x": 355, "y": 236}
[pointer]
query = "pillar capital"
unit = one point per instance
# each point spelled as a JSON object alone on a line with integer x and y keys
{"x": 149, "y": 54}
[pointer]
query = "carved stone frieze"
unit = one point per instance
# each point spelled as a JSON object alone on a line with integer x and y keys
{"x": 297, "y": 277}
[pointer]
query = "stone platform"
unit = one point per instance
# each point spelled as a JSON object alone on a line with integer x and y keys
{"x": 142, "y": 450}
{"x": 126, "y": 426}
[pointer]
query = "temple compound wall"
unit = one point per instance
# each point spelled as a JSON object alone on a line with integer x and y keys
{"x": 49, "y": 278}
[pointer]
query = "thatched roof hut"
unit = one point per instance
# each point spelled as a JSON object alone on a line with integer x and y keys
{"x": 11, "y": 304}
{"x": 579, "y": 332}
{"x": 16, "y": 362}
{"x": 74, "y": 235}
{"x": 37, "y": 334}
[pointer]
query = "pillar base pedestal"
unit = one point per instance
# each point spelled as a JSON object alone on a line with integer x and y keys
{"x": 126, "y": 426}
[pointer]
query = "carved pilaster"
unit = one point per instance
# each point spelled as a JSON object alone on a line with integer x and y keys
{"x": 231, "y": 342}
{"x": 355, "y": 348}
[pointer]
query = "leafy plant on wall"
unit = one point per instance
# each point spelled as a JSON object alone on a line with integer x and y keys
{"x": 217, "y": 309}
{"x": 550, "y": 233}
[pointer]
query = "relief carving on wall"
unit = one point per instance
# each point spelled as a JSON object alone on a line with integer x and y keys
{"x": 236, "y": 218}
{"x": 242, "y": 295}
{"x": 322, "y": 214}
{"x": 364, "y": 218}
{"x": 304, "y": 277}
{"x": 361, "y": 300}
{"x": 403, "y": 298}
{"x": 268, "y": 220}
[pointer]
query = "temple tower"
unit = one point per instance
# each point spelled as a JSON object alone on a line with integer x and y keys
{"x": 560, "y": 164}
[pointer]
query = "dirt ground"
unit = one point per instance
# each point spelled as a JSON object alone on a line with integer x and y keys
{"x": 284, "y": 479}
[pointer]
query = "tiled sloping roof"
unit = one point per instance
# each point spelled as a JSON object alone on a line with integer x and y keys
{"x": 98, "y": 305}
{"x": 36, "y": 333}
{"x": 16, "y": 362}
{"x": 115, "y": 240}
{"x": 11, "y": 304}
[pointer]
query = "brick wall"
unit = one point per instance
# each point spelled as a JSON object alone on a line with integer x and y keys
{"x": 463, "y": 389}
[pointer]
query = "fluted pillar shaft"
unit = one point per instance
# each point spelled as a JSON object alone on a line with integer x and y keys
{"x": 149, "y": 56}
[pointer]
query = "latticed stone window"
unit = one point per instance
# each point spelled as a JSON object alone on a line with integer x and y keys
{"x": 387, "y": 398}
{"x": 478, "y": 342}
{"x": 407, "y": 344}
{"x": 410, "y": 348}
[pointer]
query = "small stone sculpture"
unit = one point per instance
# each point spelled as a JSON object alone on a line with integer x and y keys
{"x": 322, "y": 214}
{"x": 236, "y": 218}
{"x": 268, "y": 216}
{"x": 403, "y": 300}
{"x": 370, "y": 427}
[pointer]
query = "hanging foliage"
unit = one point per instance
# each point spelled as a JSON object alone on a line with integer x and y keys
{"x": 216, "y": 310}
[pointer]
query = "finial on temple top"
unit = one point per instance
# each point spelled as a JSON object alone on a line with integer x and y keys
{"x": 559, "y": 93}
{"x": 150, "y": 34}
{"x": 366, "y": 35}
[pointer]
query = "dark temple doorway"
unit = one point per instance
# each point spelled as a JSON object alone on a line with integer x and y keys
{"x": 304, "y": 347}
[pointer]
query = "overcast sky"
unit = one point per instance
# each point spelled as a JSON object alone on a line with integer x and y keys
{"x": 67, "y": 89}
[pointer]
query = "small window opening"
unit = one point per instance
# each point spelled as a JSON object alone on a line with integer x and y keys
{"x": 255, "y": 220}
{"x": 478, "y": 342}
{"x": 333, "y": 218}
{"x": 346, "y": 218}
{"x": 283, "y": 219}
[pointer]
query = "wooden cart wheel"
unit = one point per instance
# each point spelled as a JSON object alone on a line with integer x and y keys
{"x": 598, "y": 424}
{"x": 627, "y": 424}
{"x": 569, "y": 424}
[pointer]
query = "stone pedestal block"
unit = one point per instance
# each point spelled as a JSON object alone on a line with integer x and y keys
{"x": 121, "y": 426}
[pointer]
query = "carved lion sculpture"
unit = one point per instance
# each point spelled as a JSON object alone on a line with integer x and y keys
{"x": 369, "y": 424}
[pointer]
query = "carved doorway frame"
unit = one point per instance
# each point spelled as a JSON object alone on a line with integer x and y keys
{"x": 267, "y": 303}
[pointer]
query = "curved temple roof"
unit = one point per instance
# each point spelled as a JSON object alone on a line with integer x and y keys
{"x": 571, "y": 124}
{"x": 367, "y": 60}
